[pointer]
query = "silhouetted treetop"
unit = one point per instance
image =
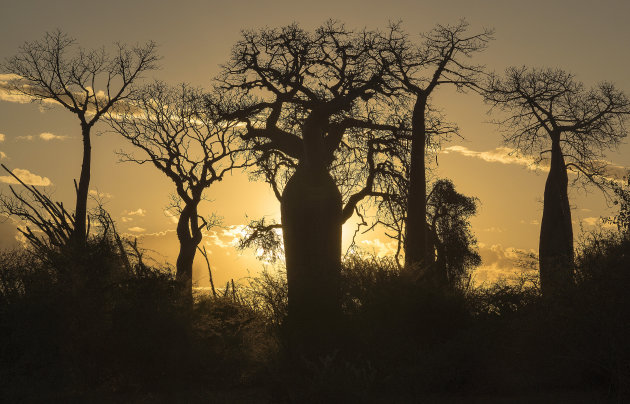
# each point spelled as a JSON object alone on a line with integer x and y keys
{"x": 311, "y": 97}
{"x": 331, "y": 65}
{"x": 546, "y": 103}
{"x": 454, "y": 244}
{"x": 442, "y": 56}
{"x": 180, "y": 136}
{"x": 88, "y": 82}
{"x": 621, "y": 191}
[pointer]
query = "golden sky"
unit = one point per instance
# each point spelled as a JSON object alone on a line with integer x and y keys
{"x": 590, "y": 39}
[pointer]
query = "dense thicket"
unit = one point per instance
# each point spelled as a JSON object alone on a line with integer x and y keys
{"x": 85, "y": 327}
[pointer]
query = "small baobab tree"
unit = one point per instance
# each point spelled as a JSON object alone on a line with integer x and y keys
{"x": 175, "y": 132}
{"x": 554, "y": 118}
{"x": 88, "y": 83}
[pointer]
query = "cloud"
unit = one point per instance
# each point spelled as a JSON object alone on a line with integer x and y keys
{"x": 49, "y": 136}
{"x": 499, "y": 262}
{"x": 5, "y": 92}
{"x": 27, "y": 177}
{"x": 533, "y": 222}
{"x": 173, "y": 217}
{"x": 126, "y": 219}
{"x": 506, "y": 155}
{"x": 46, "y": 136}
{"x": 615, "y": 172}
{"x": 598, "y": 221}
{"x": 2, "y": 137}
{"x": 162, "y": 233}
{"x": 235, "y": 232}
{"x": 493, "y": 230}
{"x": 100, "y": 195}
{"x": 379, "y": 248}
{"x": 13, "y": 87}
{"x": 157, "y": 234}
{"x": 503, "y": 155}
{"x": 3, "y": 155}
{"x": 229, "y": 237}
{"x": 216, "y": 239}
{"x": 8, "y": 83}
{"x": 137, "y": 212}
{"x": 591, "y": 221}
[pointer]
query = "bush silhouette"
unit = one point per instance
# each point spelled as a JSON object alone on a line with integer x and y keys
{"x": 80, "y": 325}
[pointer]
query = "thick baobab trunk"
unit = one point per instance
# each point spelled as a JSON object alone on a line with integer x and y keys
{"x": 80, "y": 230}
{"x": 189, "y": 238}
{"x": 556, "y": 231}
{"x": 311, "y": 222}
{"x": 416, "y": 249}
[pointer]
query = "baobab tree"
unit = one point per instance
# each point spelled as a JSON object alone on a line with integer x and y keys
{"x": 554, "y": 118}
{"x": 88, "y": 83}
{"x": 175, "y": 132}
{"x": 315, "y": 125}
{"x": 417, "y": 70}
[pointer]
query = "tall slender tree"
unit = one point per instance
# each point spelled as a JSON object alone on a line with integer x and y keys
{"x": 88, "y": 83}
{"x": 442, "y": 58}
{"x": 190, "y": 144}
{"x": 552, "y": 117}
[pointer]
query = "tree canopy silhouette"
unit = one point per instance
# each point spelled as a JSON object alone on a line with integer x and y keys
{"x": 550, "y": 115}
{"x": 451, "y": 239}
{"x": 621, "y": 190}
{"x": 88, "y": 83}
{"x": 190, "y": 144}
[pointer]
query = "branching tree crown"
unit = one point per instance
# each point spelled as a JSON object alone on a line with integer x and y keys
{"x": 186, "y": 141}
{"x": 547, "y": 104}
{"x": 296, "y": 80}
{"x": 88, "y": 83}
{"x": 442, "y": 57}
{"x": 178, "y": 135}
